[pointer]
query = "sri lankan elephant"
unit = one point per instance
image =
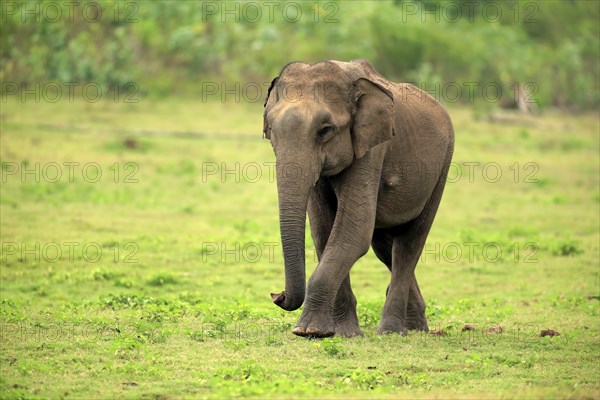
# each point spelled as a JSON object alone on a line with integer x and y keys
{"x": 368, "y": 160}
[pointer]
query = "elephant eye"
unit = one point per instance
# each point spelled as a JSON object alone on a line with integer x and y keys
{"x": 324, "y": 131}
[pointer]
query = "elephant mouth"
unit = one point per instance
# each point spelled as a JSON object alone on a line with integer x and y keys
{"x": 330, "y": 168}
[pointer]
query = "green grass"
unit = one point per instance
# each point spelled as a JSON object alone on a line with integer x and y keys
{"x": 170, "y": 298}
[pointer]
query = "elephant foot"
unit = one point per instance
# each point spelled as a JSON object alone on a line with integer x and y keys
{"x": 415, "y": 316}
{"x": 419, "y": 324}
{"x": 347, "y": 328}
{"x": 391, "y": 325}
{"x": 315, "y": 325}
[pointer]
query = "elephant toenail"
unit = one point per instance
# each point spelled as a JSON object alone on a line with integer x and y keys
{"x": 299, "y": 331}
{"x": 312, "y": 331}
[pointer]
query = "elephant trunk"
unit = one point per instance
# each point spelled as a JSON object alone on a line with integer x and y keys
{"x": 293, "y": 187}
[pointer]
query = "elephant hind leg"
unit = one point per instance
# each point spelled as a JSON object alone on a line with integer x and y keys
{"x": 404, "y": 306}
{"x": 416, "y": 319}
{"x": 382, "y": 245}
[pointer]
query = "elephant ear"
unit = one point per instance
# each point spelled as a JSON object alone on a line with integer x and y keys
{"x": 374, "y": 116}
{"x": 269, "y": 101}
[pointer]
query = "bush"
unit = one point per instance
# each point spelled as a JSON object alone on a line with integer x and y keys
{"x": 172, "y": 47}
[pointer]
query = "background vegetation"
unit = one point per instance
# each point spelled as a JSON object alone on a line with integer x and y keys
{"x": 173, "y": 46}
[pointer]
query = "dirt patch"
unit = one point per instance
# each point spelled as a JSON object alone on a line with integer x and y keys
{"x": 130, "y": 143}
{"x": 494, "y": 329}
{"x": 549, "y": 332}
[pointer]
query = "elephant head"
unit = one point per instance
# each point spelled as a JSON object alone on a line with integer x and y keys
{"x": 319, "y": 119}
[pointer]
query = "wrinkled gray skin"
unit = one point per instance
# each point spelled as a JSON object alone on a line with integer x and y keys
{"x": 368, "y": 160}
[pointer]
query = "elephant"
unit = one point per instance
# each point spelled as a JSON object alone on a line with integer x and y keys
{"x": 367, "y": 159}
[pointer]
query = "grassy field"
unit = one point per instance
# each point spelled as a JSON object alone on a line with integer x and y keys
{"x": 140, "y": 245}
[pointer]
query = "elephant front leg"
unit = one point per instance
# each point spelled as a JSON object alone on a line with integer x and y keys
{"x": 322, "y": 208}
{"x": 330, "y": 304}
{"x": 317, "y": 314}
{"x": 341, "y": 321}
{"x": 315, "y": 324}
{"x": 320, "y": 318}
{"x": 329, "y": 299}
